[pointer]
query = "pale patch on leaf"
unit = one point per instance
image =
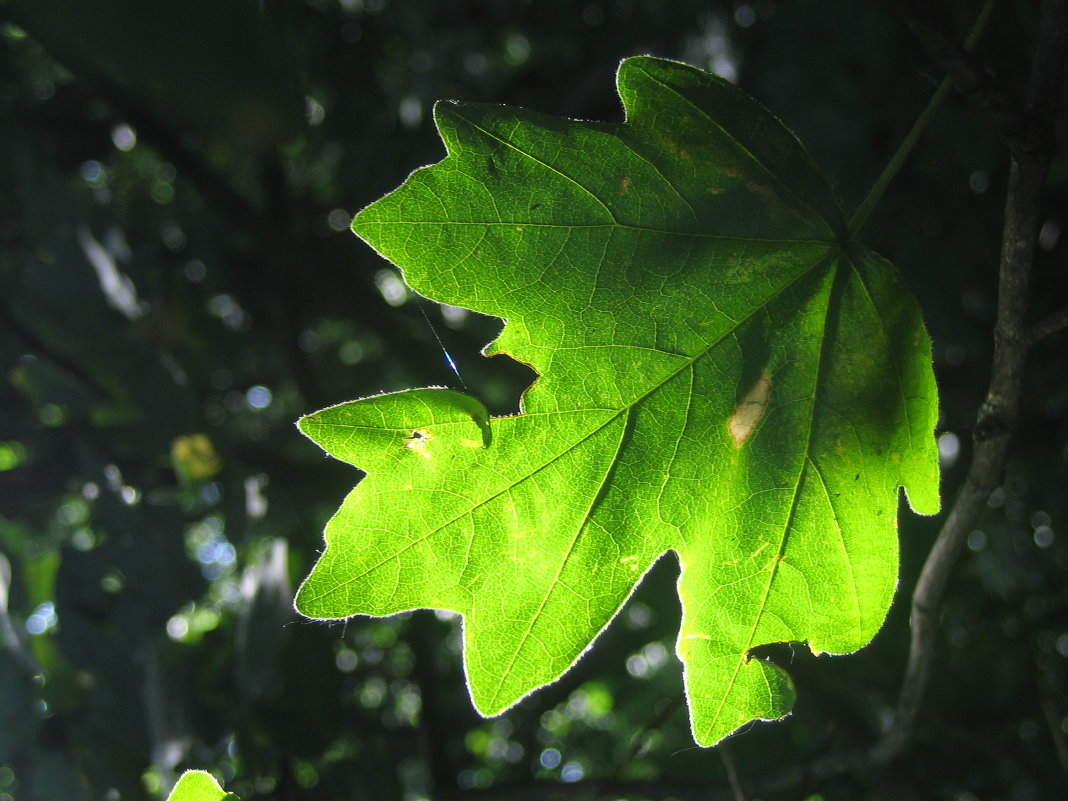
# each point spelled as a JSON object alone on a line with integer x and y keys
{"x": 750, "y": 410}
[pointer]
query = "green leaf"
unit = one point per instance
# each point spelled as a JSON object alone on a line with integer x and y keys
{"x": 199, "y": 785}
{"x": 722, "y": 375}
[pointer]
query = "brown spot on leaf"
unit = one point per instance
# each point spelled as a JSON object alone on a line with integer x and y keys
{"x": 764, "y": 192}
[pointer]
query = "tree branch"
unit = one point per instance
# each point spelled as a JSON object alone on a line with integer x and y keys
{"x": 541, "y": 790}
{"x": 1057, "y": 735}
{"x": 1049, "y": 325}
{"x": 966, "y": 69}
{"x": 1031, "y": 139}
{"x": 733, "y": 777}
{"x": 73, "y": 368}
{"x": 154, "y": 132}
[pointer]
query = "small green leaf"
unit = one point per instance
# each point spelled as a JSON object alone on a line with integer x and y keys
{"x": 199, "y": 785}
{"x": 722, "y": 374}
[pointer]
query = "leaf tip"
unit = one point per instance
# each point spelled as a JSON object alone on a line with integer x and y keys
{"x": 304, "y": 423}
{"x": 924, "y": 500}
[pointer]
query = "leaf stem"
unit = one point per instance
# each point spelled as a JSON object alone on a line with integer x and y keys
{"x": 904, "y": 150}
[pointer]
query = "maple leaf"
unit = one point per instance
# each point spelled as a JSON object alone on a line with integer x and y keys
{"x": 723, "y": 374}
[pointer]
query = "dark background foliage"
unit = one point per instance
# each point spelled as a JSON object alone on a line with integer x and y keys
{"x": 178, "y": 285}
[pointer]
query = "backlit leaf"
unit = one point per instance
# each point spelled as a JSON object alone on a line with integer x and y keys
{"x": 722, "y": 375}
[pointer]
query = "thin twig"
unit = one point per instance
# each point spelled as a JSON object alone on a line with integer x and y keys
{"x": 726, "y": 753}
{"x": 1057, "y": 735}
{"x": 969, "y": 74}
{"x": 73, "y": 368}
{"x": 1031, "y": 151}
{"x": 638, "y": 740}
{"x": 153, "y": 131}
{"x": 1049, "y": 325}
